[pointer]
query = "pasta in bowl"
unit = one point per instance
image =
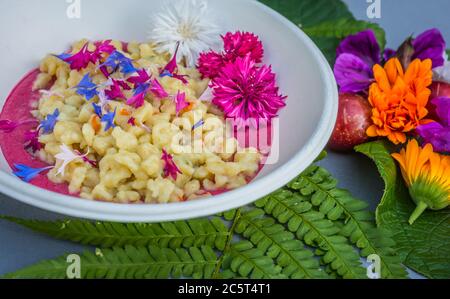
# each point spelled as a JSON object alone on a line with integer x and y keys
{"x": 135, "y": 150}
{"x": 120, "y": 124}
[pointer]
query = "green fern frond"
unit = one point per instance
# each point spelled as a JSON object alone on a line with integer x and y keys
{"x": 320, "y": 187}
{"x": 312, "y": 227}
{"x": 130, "y": 262}
{"x": 279, "y": 244}
{"x": 244, "y": 260}
{"x": 192, "y": 233}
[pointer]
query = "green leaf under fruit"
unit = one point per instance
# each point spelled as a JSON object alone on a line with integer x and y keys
{"x": 424, "y": 246}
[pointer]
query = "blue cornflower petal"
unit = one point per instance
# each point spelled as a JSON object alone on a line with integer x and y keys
{"x": 142, "y": 87}
{"x": 63, "y": 56}
{"x": 86, "y": 82}
{"x": 27, "y": 173}
{"x": 87, "y": 88}
{"x": 166, "y": 73}
{"x": 109, "y": 120}
{"x": 198, "y": 125}
{"x": 48, "y": 124}
{"x": 118, "y": 60}
{"x": 97, "y": 109}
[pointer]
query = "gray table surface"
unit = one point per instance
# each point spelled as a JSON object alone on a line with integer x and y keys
{"x": 20, "y": 247}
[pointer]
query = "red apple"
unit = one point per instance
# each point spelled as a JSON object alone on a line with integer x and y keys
{"x": 352, "y": 123}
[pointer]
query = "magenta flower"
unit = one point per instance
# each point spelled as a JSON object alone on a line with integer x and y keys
{"x": 180, "y": 101}
{"x": 238, "y": 44}
{"x": 210, "y": 64}
{"x": 132, "y": 121}
{"x": 31, "y": 139}
{"x": 438, "y": 133}
{"x": 170, "y": 168}
{"x": 246, "y": 92}
{"x": 241, "y": 44}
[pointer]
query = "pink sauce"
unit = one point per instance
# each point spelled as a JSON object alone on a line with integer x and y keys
{"x": 17, "y": 107}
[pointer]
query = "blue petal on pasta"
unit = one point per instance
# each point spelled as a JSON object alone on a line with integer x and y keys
{"x": 109, "y": 120}
{"x": 48, "y": 124}
{"x": 118, "y": 60}
{"x": 97, "y": 109}
{"x": 141, "y": 88}
{"x": 63, "y": 56}
{"x": 27, "y": 173}
{"x": 87, "y": 88}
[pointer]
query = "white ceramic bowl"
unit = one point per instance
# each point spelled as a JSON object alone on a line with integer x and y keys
{"x": 35, "y": 28}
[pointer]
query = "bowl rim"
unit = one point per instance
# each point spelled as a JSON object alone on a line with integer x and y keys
{"x": 97, "y": 210}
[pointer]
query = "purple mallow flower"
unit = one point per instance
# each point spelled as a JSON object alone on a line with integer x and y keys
{"x": 357, "y": 54}
{"x": 438, "y": 133}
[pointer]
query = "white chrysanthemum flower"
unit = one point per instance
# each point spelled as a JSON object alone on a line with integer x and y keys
{"x": 188, "y": 22}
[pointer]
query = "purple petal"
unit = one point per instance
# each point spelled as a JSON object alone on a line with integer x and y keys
{"x": 437, "y": 135}
{"x": 388, "y": 54}
{"x": 430, "y": 44}
{"x": 352, "y": 73}
{"x": 442, "y": 110}
{"x": 363, "y": 45}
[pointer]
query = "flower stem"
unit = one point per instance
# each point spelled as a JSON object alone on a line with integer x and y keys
{"x": 421, "y": 207}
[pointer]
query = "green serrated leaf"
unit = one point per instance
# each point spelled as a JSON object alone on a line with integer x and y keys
{"x": 424, "y": 246}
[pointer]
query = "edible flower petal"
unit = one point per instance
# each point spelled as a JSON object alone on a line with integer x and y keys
{"x": 87, "y": 88}
{"x": 31, "y": 139}
{"x": 109, "y": 120}
{"x": 157, "y": 89}
{"x": 241, "y": 44}
{"x": 363, "y": 45}
{"x": 180, "y": 101}
{"x": 66, "y": 156}
{"x": 97, "y": 109}
{"x": 27, "y": 173}
{"x": 119, "y": 61}
{"x": 430, "y": 45}
{"x": 48, "y": 124}
{"x": 352, "y": 73}
{"x": 170, "y": 168}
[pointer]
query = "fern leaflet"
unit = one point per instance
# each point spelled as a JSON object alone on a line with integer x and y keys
{"x": 320, "y": 187}
{"x": 130, "y": 262}
{"x": 192, "y": 233}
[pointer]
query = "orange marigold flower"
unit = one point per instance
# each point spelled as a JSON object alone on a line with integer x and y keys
{"x": 399, "y": 98}
{"x": 427, "y": 175}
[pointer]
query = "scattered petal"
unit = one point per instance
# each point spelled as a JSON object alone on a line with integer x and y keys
{"x": 49, "y": 123}
{"x": 27, "y": 173}
{"x": 87, "y": 88}
{"x": 66, "y": 156}
{"x": 109, "y": 120}
{"x": 31, "y": 139}
{"x": 170, "y": 168}
{"x": 157, "y": 89}
{"x": 97, "y": 110}
{"x": 180, "y": 101}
